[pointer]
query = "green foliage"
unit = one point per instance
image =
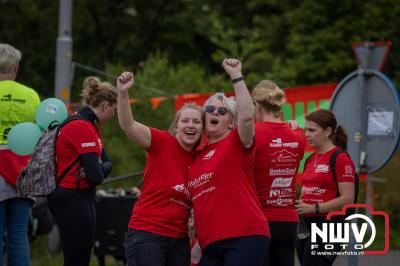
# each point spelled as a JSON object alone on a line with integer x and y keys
{"x": 156, "y": 77}
{"x": 176, "y": 47}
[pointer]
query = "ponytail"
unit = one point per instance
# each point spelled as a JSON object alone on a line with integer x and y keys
{"x": 340, "y": 138}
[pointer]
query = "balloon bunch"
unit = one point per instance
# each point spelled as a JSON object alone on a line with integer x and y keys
{"x": 23, "y": 138}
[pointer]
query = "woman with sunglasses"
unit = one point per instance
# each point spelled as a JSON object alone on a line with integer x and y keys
{"x": 230, "y": 225}
{"x": 158, "y": 229}
{"x": 279, "y": 150}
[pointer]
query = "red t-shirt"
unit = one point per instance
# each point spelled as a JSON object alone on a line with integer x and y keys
{"x": 12, "y": 164}
{"x": 279, "y": 150}
{"x": 164, "y": 204}
{"x": 221, "y": 182}
{"x": 75, "y": 138}
{"x": 318, "y": 181}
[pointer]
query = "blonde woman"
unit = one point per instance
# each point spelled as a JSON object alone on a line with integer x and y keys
{"x": 81, "y": 156}
{"x": 279, "y": 150}
{"x": 158, "y": 229}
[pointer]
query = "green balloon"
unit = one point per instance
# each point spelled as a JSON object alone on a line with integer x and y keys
{"x": 23, "y": 137}
{"x": 50, "y": 110}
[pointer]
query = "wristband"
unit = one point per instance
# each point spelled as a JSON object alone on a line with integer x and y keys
{"x": 317, "y": 208}
{"x": 237, "y": 79}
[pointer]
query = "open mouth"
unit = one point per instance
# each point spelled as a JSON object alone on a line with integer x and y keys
{"x": 190, "y": 132}
{"x": 214, "y": 121}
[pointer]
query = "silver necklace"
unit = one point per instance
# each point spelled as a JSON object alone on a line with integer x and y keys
{"x": 318, "y": 159}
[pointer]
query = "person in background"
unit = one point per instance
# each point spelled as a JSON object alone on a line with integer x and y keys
{"x": 18, "y": 104}
{"x": 158, "y": 229}
{"x": 321, "y": 193}
{"x": 279, "y": 150}
{"x": 231, "y": 228}
{"x": 80, "y": 147}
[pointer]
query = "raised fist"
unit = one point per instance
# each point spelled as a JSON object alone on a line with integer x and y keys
{"x": 233, "y": 67}
{"x": 125, "y": 81}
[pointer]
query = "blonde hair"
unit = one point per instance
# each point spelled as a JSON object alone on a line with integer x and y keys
{"x": 195, "y": 106}
{"x": 9, "y": 58}
{"x": 96, "y": 91}
{"x": 269, "y": 96}
{"x": 229, "y": 103}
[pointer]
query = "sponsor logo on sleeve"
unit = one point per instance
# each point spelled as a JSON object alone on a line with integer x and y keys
{"x": 348, "y": 171}
{"x": 88, "y": 144}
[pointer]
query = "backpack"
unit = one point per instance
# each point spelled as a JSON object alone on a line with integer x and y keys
{"x": 38, "y": 178}
{"x": 332, "y": 167}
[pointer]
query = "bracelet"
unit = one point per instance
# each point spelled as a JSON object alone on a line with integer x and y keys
{"x": 237, "y": 79}
{"x": 317, "y": 208}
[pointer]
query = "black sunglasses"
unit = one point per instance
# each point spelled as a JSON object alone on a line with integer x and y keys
{"x": 220, "y": 110}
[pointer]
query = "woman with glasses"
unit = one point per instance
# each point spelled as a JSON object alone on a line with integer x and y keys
{"x": 279, "y": 150}
{"x": 158, "y": 229}
{"x": 231, "y": 228}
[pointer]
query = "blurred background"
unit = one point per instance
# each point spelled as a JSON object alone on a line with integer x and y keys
{"x": 176, "y": 47}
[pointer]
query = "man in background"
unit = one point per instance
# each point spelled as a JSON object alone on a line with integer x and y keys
{"x": 18, "y": 104}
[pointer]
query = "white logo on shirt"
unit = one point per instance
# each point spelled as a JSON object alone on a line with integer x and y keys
{"x": 322, "y": 168}
{"x": 279, "y": 201}
{"x": 313, "y": 190}
{"x": 280, "y": 192}
{"x": 182, "y": 188}
{"x": 286, "y": 171}
{"x": 179, "y": 188}
{"x": 209, "y": 155}
{"x": 201, "y": 180}
{"x": 284, "y": 156}
{"x": 278, "y": 143}
{"x": 88, "y": 144}
{"x": 282, "y": 182}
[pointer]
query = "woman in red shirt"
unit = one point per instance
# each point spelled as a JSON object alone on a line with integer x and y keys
{"x": 320, "y": 192}
{"x": 279, "y": 150}
{"x": 79, "y": 148}
{"x": 158, "y": 229}
{"x": 230, "y": 226}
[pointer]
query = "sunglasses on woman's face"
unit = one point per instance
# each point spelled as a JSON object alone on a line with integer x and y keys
{"x": 220, "y": 110}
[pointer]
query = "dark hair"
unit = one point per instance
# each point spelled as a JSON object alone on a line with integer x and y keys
{"x": 96, "y": 92}
{"x": 325, "y": 119}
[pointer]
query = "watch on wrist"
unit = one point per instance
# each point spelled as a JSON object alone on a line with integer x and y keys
{"x": 237, "y": 79}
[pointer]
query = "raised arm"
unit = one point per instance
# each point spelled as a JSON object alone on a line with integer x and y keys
{"x": 138, "y": 133}
{"x": 244, "y": 104}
